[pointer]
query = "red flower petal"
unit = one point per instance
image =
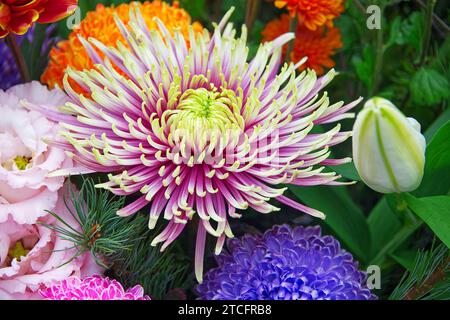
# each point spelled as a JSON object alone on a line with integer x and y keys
{"x": 54, "y": 10}
{"x": 20, "y": 23}
{"x": 3, "y": 32}
{"x": 5, "y": 15}
{"x": 20, "y": 6}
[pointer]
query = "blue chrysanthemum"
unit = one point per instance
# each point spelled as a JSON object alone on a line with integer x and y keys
{"x": 285, "y": 264}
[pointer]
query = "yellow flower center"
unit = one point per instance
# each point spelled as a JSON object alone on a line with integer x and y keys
{"x": 203, "y": 115}
{"x": 18, "y": 251}
{"x": 22, "y": 162}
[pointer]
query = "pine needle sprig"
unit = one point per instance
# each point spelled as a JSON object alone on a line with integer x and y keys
{"x": 428, "y": 279}
{"x": 157, "y": 272}
{"x": 120, "y": 244}
{"x": 101, "y": 232}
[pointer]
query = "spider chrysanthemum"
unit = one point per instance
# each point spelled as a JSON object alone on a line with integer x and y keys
{"x": 198, "y": 131}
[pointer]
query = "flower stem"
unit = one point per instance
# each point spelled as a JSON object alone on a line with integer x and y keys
{"x": 217, "y": 9}
{"x": 425, "y": 43}
{"x": 404, "y": 233}
{"x": 292, "y": 28}
{"x": 410, "y": 225}
{"x": 250, "y": 15}
{"x": 440, "y": 24}
{"x": 378, "y": 60}
{"x": 19, "y": 58}
{"x": 360, "y": 7}
{"x": 427, "y": 38}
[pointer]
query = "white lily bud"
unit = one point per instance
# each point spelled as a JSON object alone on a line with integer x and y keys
{"x": 388, "y": 148}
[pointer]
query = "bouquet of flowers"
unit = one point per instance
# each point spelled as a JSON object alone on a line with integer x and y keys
{"x": 296, "y": 150}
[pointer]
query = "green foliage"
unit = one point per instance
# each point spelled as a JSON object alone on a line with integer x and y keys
{"x": 436, "y": 179}
{"x": 196, "y": 8}
{"x": 34, "y": 51}
{"x": 435, "y": 212}
{"x": 437, "y": 124}
{"x": 441, "y": 62}
{"x": 348, "y": 171}
{"x": 344, "y": 217}
{"x": 428, "y": 279}
{"x": 101, "y": 232}
{"x": 389, "y": 229}
{"x": 407, "y": 31}
{"x": 429, "y": 87}
{"x": 405, "y": 258}
{"x": 156, "y": 272}
{"x": 365, "y": 65}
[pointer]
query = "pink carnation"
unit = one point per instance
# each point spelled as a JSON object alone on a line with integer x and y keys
{"x": 26, "y": 190}
{"x": 33, "y": 255}
{"x": 92, "y": 288}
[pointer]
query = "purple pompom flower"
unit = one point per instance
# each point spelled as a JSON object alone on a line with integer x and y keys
{"x": 92, "y": 288}
{"x": 285, "y": 264}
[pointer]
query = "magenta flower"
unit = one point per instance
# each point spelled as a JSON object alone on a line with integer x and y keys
{"x": 198, "y": 131}
{"x": 91, "y": 288}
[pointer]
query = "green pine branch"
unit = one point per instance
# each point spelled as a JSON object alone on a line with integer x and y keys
{"x": 428, "y": 279}
{"x": 120, "y": 244}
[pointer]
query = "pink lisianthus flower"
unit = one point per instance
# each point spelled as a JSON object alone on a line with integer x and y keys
{"x": 92, "y": 288}
{"x": 33, "y": 256}
{"x": 26, "y": 190}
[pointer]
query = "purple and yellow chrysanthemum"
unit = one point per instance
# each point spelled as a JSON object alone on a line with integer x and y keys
{"x": 198, "y": 131}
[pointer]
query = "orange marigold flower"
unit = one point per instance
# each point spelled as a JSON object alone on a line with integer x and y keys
{"x": 100, "y": 25}
{"x": 17, "y": 16}
{"x": 318, "y": 45}
{"x": 313, "y": 13}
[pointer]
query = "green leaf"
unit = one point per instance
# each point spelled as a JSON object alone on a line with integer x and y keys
{"x": 441, "y": 62}
{"x": 405, "y": 258}
{"x": 415, "y": 30}
{"x": 407, "y": 31}
{"x": 365, "y": 65}
{"x": 348, "y": 171}
{"x": 343, "y": 216}
{"x": 435, "y": 212}
{"x": 196, "y": 8}
{"x": 429, "y": 87}
{"x": 383, "y": 225}
{"x": 437, "y": 124}
{"x": 436, "y": 180}
{"x": 395, "y": 34}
